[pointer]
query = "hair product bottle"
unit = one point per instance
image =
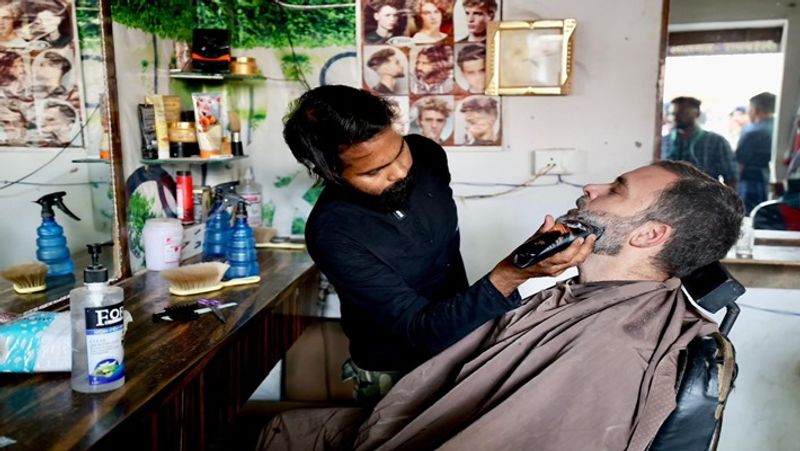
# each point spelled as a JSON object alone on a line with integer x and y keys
{"x": 96, "y": 313}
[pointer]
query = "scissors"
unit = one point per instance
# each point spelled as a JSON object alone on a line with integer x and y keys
{"x": 214, "y": 306}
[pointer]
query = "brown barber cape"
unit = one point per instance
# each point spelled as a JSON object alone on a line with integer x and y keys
{"x": 576, "y": 367}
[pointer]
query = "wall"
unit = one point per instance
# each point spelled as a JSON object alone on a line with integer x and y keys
{"x": 609, "y": 118}
{"x": 692, "y": 11}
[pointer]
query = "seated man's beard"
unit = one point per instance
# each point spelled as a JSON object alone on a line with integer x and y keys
{"x": 395, "y": 197}
{"x": 617, "y": 228}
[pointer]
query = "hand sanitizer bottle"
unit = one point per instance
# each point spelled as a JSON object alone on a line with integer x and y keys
{"x": 96, "y": 312}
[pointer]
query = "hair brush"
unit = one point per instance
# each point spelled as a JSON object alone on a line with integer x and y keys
{"x": 26, "y": 277}
{"x": 202, "y": 278}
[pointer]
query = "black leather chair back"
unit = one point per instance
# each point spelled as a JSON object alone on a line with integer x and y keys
{"x": 695, "y": 423}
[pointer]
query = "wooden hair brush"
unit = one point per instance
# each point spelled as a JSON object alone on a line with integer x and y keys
{"x": 202, "y": 278}
{"x": 26, "y": 277}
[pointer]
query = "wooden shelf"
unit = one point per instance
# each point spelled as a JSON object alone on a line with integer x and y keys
{"x": 193, "y": 160}
{"x": 91, "y": 160}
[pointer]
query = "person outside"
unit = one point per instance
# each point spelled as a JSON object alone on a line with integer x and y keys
{"x": 688, "y": 142}
{"x": 754, "y": 151}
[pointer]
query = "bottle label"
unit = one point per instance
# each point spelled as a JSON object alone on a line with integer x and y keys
{"x": 172, "y": 249}
{"x": 104, "y": 327}
{"x": 253, "y": 209}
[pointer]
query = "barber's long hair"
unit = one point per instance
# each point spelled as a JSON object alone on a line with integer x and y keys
{"x": 327, "y": 120}
{"x": 705, "y": 217}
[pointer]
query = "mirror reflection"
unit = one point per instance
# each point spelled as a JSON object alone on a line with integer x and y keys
{"x": 55, "y": 178}
{"x": 729, "y": 107}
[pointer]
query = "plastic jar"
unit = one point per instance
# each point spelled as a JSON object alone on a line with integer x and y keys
{"x": 162, "y": 239}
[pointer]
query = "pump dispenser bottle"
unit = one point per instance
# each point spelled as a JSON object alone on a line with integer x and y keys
{"x": 96, "y": 314}
{"x": 241, "y": 251}
{"x": 51, "y": 245}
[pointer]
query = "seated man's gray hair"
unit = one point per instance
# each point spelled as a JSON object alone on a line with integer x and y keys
{"x": 705, "y": 216}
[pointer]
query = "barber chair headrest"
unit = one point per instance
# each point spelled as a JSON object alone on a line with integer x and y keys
{"x": 712, "y": 287}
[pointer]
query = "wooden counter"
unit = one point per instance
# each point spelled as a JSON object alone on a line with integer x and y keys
{"x": 775, "y": 262}
{"x": 184, "y": 382}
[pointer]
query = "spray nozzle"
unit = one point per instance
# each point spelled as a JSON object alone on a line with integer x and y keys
{"x": 225, "y": 188}
{"x": 241, "y": 209}
{"x": 48, "y": 200}
{"x": 95, "y": 272}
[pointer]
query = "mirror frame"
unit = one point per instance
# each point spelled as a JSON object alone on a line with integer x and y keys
{"x": 122, "y": 268}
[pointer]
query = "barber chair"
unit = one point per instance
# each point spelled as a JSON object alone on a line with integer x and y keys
{"x": 706, "y": 369}
{"x": 783, "y": 214}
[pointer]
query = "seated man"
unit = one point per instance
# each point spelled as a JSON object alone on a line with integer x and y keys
{"x": 588, "y": 364}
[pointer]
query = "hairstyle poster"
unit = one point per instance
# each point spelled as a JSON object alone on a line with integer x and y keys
{"x": 429, "y": 57}
{"x": 40, "y": 103}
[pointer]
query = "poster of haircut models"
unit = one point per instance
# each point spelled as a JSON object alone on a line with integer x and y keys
{"x": 429, "y": 57}
{"x": 40, "y": 104}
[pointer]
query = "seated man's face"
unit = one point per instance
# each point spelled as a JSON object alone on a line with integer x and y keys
{"x": 432, "y": 123}
{"x": 391, "y": 67}
{"x": 475, "y": 73}
{"x": 480, "y": 124}
{"x": 618, "y": 206}
{"x": 386, "y": 18}
{"x": 476, "y": 20}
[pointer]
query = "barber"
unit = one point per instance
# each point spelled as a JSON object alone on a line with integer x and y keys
{"x": 385, "y": 233}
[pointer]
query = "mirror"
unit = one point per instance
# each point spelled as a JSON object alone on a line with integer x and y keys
{"x": 58, "y": 134}
{"x": 739, "y": 59}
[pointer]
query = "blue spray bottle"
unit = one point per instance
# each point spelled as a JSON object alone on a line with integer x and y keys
{"x": 51, "y": 245}
{"x": 218, "y": 226}
{"x": 241, "y": 252}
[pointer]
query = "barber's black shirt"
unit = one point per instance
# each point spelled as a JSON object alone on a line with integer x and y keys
{"x": 400, "y": 276}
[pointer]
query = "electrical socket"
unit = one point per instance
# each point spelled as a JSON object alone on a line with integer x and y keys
{"x": 563, "y": 161}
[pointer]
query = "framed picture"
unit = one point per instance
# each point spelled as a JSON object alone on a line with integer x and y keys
{"x": 530, "y": 57}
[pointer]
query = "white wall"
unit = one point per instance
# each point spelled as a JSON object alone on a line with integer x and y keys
{"x": 693, "y": 11}
{"x": 609, "y": 118}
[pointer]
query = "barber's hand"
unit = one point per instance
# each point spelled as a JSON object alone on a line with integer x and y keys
{"x": 506, "y": 277}
{"x": 574, "y": 255}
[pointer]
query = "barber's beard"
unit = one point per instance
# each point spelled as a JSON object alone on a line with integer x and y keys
{"x": 395, "y": 197}
{"x": 617, "y": 228}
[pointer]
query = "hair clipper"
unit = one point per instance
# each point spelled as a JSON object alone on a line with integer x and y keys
{"x": 553, "y": 241}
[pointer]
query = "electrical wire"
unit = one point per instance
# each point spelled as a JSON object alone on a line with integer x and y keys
{"x": 58, "y": 154}
{"x": 313, "y": 7}
{"x": 514, "y": 187}
{"x": 104, "y": 182}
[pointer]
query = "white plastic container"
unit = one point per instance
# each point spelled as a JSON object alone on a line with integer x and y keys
{"x": 162, "y": 239}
